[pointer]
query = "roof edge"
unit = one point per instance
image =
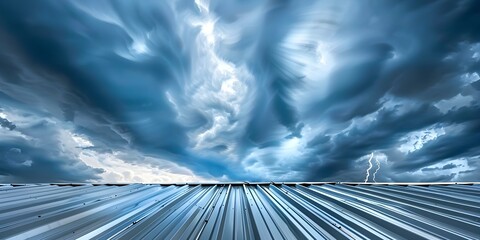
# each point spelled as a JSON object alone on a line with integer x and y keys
{"x": 250, "y": 183}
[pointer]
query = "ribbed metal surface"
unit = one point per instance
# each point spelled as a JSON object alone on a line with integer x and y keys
{"x": 240, "y": 211}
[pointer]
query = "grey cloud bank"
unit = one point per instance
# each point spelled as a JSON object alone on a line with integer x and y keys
{"x": 130, "y": 91}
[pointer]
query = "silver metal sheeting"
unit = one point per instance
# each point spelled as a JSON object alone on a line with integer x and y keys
{"x": 240, "y": 211}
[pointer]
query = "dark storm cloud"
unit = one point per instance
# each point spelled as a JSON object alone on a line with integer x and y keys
{"x": 403, "y": 53}
{"x": 262, "y": 90}
{"x": 94, "y": 78}
{"x": 122, "y": 100}
{"x": 455, "y": 145}
{"x": 25, "y": 164}
{"x": 382, "y": 133}
{"x": 419, "y": 59}
{"x": 7, "y": 124}
{"x": 38, "y": 157}
{"x": 445, "y": 167}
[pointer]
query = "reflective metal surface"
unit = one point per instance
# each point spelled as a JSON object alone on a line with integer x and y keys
{"x": 240, "y": 211}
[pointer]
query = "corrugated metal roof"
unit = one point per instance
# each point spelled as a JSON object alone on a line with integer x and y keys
{"x": 240, "y": 211}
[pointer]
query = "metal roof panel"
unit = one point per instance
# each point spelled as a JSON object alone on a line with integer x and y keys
{"x": 240, "y": 211}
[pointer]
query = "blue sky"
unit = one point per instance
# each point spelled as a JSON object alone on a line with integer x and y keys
{"x": 175, "y": 91}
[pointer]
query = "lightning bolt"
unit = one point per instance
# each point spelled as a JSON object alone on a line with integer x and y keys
{"x": 378, "y": 168}
{"x": 370, "y": 165}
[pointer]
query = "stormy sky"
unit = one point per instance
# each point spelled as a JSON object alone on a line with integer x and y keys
{"x": 239, "y": 90}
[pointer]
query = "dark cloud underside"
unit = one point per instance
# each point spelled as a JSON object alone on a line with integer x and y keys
{"x": 239, "y": 90}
